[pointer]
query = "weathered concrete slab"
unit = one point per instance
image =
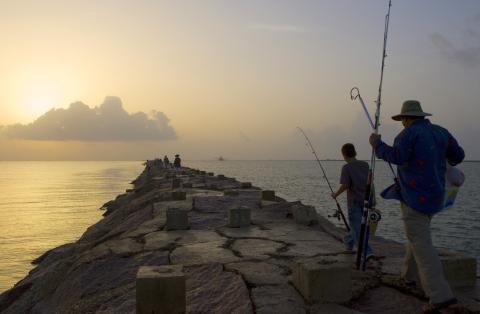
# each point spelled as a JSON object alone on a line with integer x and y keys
{"x": 210, "y": 289}
{"x": 256, "y": 248}
{"x": 312, "y": 248}
{"x": 248, "y": 232}
{"x": 308, "y": 234}
{"x": 152, "y": 225}
{"x": 279, "y": 299}
{"x": 216, "y": 204}
{"x": 207, "y": 221}
{"x": 283, "y": 227}
{"x": 259, "y": 273}
{"x": 387, "y": 301}
{"x": 162, "y": 239}
{"x": 202, "y": 253}
{"x": 331, "y": 308}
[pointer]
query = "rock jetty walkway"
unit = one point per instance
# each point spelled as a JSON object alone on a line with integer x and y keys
{"x": 244, "y": 250}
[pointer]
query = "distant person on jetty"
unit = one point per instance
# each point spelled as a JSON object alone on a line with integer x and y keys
{"x": 353, "y": 180}
{"x": 421, "y": 151}
{"x": 166, "y": 161}
{"x": 177, "y": 162}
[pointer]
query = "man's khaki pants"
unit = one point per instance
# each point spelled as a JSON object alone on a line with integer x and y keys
{"x": 421, "y": 258}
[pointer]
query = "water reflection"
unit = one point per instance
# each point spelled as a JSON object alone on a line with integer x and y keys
{"x": 46, "y": 204}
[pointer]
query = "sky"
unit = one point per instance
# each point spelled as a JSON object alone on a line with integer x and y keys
{"x": 135, "y": 80}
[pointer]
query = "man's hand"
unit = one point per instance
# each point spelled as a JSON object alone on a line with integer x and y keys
{"x": 375, "y": 139}
{"x": 333, "y": 195}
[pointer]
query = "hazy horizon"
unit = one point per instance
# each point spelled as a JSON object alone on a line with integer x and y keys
{"x": 116, "y": 80}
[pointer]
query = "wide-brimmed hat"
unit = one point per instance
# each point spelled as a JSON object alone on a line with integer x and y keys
{"x": 411, "y": 108}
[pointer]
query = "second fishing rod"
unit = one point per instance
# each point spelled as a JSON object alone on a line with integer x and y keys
{"x": 339, "y": 212}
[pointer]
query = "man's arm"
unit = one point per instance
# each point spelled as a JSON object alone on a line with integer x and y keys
{"x": 397, "y": 154}
{"x": 455, "y": 153}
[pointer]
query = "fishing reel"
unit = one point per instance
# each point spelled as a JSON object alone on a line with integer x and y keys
{"x": 374, "y": 215}
{"x": 335, "y": 215}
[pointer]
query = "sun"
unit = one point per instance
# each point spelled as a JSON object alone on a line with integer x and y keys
{"x": 39, "y": 97}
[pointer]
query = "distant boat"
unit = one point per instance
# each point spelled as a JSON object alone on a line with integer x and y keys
{"x": 220, "y": 158}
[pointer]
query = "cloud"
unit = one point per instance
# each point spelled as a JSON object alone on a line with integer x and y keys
{"x": 467, "y": 56}
{"x": 283, "y": 28}
{"x": 476, "y": 18}
{"x": 108, "y": 122}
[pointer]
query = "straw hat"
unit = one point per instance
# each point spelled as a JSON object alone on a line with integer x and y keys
{"x": 411, "y": 108}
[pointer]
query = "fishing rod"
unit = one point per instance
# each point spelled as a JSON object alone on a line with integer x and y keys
{"x": 369, "y": 213}
{"x": 339, "y": 209}
{"x": 355, "y": 94}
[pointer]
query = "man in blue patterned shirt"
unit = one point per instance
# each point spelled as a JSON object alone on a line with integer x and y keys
{"x": 421, "y": 152}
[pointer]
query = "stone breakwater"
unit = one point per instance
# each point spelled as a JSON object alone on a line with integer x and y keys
{"x": 243, "y": 250}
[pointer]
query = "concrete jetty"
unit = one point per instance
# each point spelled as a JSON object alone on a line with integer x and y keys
{"x": 202, "y": 243}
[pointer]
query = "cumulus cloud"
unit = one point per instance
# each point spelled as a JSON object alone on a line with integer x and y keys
{"x": 467, "y": 56}
{"x": 107, "y": 122}
{"x": 285, "y": 28}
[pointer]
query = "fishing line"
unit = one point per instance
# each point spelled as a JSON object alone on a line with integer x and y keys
{"x": 339, "y": 209}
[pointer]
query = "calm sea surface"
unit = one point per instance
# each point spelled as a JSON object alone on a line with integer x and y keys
{"x": 46, "y": 204}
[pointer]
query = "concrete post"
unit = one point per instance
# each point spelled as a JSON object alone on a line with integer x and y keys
{"x": 460, "y": 270}
{"x": 179, "y": 195}
{"x": 239, "y": 217}
{"x": 177, "y": 219}
{"x": 161, "y": 290}
{"x": 176, "y": 182}
{"x": 230, "y": 193}
{"x": 268, "y": 195}
{"x": 212, "y": 186}
{"x": 324, "y": 279}
{"x": 305, "y": 215}
{"x": 245, "y": 185}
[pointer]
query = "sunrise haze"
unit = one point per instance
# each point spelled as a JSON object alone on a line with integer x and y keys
{"x": 227, "y": 78}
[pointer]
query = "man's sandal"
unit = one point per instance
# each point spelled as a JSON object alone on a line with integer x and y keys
{"x": 435, "y": 308}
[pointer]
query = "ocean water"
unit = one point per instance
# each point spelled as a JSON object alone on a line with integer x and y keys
{"x": 46, "y": 204}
